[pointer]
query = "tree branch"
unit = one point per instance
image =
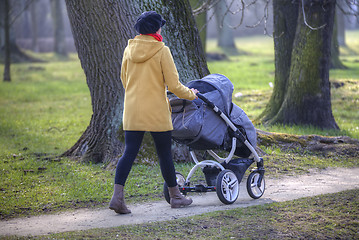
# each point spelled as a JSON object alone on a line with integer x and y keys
{"x": 305, "y": 20}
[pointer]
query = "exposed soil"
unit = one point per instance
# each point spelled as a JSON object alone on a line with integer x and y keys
{"x": 282, "y": 189}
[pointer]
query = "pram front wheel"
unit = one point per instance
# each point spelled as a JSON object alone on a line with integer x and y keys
{"x": 227, "y": 186}
{"x": 255, "y": 185}
{"x": 180, "y": 182}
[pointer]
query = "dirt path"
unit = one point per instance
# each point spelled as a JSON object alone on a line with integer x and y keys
{"x": 283, "y": 189}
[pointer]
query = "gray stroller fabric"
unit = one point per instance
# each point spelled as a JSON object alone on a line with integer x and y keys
{"x": 240, "y": 118}
{"x": 199, "y": 127}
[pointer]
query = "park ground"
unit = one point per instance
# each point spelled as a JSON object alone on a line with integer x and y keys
{"x": 47, "y": 106}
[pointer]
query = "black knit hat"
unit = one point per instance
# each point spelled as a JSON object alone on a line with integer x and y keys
{"x": 149, "y": 22}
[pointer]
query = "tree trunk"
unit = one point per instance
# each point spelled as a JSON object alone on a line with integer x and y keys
{"x": 101, "y": 30}
{"x": 285, "y": 16}
{"x": 307, "y": 99}
{"x": 34, "y": 30}
{"x": 341, "y": 22}
{"x": 59, "y": 30}
{"x": 335, "y": 60}
{"x": 7, "y": 77}
{"x": 225, "y": 33}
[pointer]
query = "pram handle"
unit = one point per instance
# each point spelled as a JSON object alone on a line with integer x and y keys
{"x": 204, "y": 99}
{"x": 236, "y": 131}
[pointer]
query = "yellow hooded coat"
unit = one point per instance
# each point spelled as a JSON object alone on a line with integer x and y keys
{"x": 147, "y": 70}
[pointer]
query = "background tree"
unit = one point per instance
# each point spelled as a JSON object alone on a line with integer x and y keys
{"x": 101, "y": 29}
{"x": 340, "y": 22}
{"x": 285, "y": 17}
{"x": 336, "y": 63}
{"x": 15, "y": 10}
{"x": 306, "y": 89}
{"x": 34, "y": 26}
{"x": 59, "y": 30}
{"x": 6, "y": 13}
{"x": 225, "y": 32}
{"x": 201, "y": 19}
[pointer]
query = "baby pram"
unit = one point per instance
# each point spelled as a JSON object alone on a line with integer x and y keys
{"x": 202, "y": 125}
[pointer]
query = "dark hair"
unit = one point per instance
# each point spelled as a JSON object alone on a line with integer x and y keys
{"x": 149, "y": 22}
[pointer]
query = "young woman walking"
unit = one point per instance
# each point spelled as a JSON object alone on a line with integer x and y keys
{"x": 148, "y": 70}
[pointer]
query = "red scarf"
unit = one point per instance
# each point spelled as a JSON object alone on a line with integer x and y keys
{"x": 158, "y": 37}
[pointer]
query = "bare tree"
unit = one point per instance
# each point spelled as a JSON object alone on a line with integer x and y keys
{"x": 340, "y": 22}
{"x": 335, "y": 62}
{"x": 6, "y": 12}
{"x": 201, "y": 20}
{"x": 101, "y": 29}
{"x": 285, "y": 17}
{"x": 225, "y": 32}
{"x": 15, "y": 10}
{"x": 59, "y": 30}
{"x": 34, "y": 29}
{"x": 306, "y": 98}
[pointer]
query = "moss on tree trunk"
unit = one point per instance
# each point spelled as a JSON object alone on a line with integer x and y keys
{"x": 285, "y": 15}
{"x": 305, "y": 97}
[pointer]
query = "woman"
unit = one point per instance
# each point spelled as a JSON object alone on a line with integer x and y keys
{"x": 147, "y": 71}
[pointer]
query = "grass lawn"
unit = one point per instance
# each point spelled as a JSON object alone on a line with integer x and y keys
{"x": 330, "y": 216}
{"x": 47, "y": 106}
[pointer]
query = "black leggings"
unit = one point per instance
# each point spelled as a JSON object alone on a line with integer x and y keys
{"x": 133, "y": 140}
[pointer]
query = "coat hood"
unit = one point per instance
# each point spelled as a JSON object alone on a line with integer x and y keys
{"x": 143, "y": 47}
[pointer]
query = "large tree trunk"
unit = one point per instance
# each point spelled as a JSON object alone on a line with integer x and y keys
{"x": 285, "y": 16}
{"x": 307, "y": 96}
{"x": 59, "y": 30}
{"x": 101, "y": 30}
{"x": 307, "y": 99}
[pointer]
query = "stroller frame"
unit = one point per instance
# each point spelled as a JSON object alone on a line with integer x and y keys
{"x": 227, "y": 184}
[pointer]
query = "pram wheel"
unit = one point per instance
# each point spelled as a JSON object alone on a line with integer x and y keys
{"x": 255, "y": 188}
{"x": 180, "y": 182}
{"x": 227, "y": 186}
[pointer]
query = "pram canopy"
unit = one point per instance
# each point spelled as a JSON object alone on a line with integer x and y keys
{"x": 199, "y": 127}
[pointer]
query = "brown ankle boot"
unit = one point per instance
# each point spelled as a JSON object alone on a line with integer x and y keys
{"x": 117, "y": 201}
{"x": 177, "y": 199}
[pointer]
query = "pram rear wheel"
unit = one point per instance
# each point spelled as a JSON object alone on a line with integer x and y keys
{"x": 180, "y": 182}
{"x": 255, "y": 188}
{"x": 227, "y": 186}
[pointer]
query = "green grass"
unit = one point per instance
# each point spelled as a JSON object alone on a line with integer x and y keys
{"x": 252, "y": 72}
{"x": 47, "y": 106}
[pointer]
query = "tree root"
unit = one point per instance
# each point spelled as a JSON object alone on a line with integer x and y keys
{"x": 327, "y": 146}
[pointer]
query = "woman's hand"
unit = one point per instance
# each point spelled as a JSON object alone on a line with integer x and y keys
{"x": 195, "y": 91}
